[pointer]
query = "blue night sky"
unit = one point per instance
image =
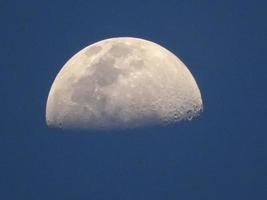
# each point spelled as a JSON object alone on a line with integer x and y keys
{"x": 221, "y": 155}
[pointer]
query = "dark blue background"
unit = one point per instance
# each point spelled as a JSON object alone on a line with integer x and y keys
{"x": 221, "y": 155}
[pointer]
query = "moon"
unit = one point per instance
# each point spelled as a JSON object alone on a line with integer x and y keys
{"x": 122, "y": 83}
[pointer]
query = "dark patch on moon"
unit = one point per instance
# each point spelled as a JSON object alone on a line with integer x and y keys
{"x": 93, "y": 50}
{"x": 137, "y": 64}
{"x": 88, "y": 89}
{"x": 120, "y": 50}
{"x": 85, "y": 93}
{"x": 105, "y": 73}
{"x": 83, "y": 90}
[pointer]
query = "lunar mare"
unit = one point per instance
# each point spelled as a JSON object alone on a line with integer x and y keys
{"x": 122, "y": 83}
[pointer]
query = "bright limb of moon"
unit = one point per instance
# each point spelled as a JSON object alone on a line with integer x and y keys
{"x": 122, "y": 83}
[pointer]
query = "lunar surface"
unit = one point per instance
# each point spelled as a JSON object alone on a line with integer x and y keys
{"x": 122, "y": 83}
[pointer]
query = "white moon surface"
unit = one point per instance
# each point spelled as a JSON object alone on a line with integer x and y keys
{"x": 122, "y": 83}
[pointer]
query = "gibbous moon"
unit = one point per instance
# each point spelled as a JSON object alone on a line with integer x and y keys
{"x": 122, "y": 83}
